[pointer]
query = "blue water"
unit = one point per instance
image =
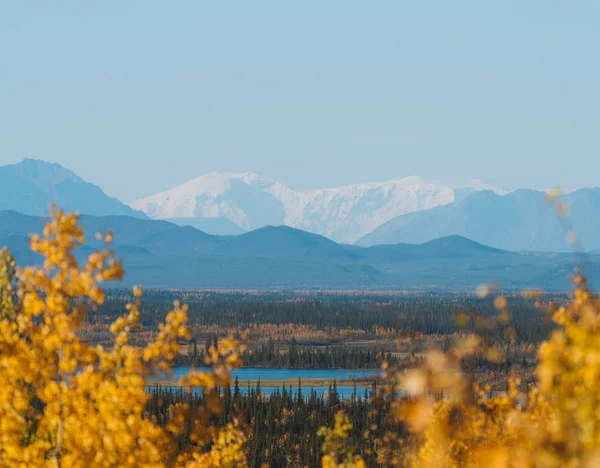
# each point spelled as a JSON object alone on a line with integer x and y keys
{"x": 264, "y": 374}
{"x": 267, "y": 374}
{"x": 343, "y": 392}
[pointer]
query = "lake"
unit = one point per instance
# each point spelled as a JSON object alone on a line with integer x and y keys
{"x": 266, "y": 375}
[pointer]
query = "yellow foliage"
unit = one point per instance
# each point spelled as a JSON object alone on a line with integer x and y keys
{"x": 336, "y": 453}
{"x": 65, "y": 403}
{"x": 555, "y": 424}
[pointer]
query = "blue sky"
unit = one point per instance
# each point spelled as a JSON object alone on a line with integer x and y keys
{"x": 139, "y": 96}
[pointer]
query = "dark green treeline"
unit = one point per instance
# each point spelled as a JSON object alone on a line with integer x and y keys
{"x": 283, "y": 427}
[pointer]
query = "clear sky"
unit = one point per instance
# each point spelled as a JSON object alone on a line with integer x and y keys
{"x": 138, "y": 96}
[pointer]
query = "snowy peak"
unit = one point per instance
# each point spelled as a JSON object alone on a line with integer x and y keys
{"x": 343, "y": 214}
{"x": 218, "y": 183}
{"x": 241, "y": 198}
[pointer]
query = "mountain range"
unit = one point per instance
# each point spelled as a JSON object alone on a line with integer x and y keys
{"x": 162, "y": 254}
{"x": 344, "y": 214}
{"x": 243, "y": 230}
{"x": 521, "y": 220}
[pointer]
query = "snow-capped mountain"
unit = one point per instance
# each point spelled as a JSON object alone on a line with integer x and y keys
{"x": 343, "y": 214}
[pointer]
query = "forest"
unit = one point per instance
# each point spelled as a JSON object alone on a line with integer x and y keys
{"x": 281, "y": 427}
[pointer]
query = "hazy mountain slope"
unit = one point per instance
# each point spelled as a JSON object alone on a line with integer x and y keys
{"x": 31, "y": 185}
{"x": 520, "y": 220}
{"x": 216, "y": 226}
{"x": 343, "y": 214}
{"x": 161, "y": 254}
{"x": 129, "y": 232}
{"x": 286, "y": 243}
{"x": 12, "y": 222}
{"x": 443, "y": 248}
{"x": 184, "y": 240}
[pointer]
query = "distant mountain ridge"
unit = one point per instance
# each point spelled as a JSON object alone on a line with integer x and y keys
{"x": 520, "y": 221}
{"x": 31, "y": 185}
{"x": 343, "y": 214}
{"x": 161, "y": 254}
{"x": 409, "y": 210}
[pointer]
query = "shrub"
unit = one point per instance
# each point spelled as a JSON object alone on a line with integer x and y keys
{"x": 66, "y": 403}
